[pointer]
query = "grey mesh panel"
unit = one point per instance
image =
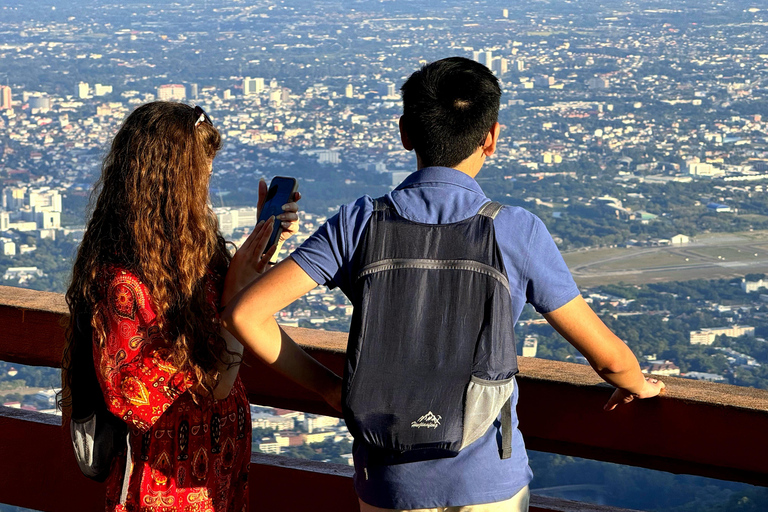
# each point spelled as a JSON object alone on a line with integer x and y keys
{"x": 483, "y": 403}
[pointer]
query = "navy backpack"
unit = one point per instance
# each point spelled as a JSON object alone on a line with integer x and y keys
{"x": 431, "y": 353}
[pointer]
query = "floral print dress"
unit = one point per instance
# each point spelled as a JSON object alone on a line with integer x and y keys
{"x": 184, "y": 456}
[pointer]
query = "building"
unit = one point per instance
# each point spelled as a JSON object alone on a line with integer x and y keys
{"x": 597, "y": 83}
{"x": 680, "y": 239}
{"x": 23, "y": 274}
{"x": 664, "y": 368}
{"x": 41, "y": 103}
{"x": 252, "y": 86}
{"x": 697, "y": 168}
{"x": 530, "y": 346}
{"x": 318, "y": 437}
{"x": 7, "y": 247}
{"x": 231, "y": 219}
{"x": 500, "y": 66}
{"x": 266, "y": 420}
{"x": 349, "y": 91}
{"x": 193, "y": 91}
{"x": 544, "y": 81}
{"x": 719, "y": 208}
{"x": 102, "y": 90}
{"x": 753, "y": 286}
{"x": 709, "y": 377}
{"x": 82, "y": 90}
{"x": 328, "y": 156}
{"x": 5, "y": 97}
{"x": 172, "y": 92}
{"x": 314, "y": 422}
{"x": 708, "y": 336}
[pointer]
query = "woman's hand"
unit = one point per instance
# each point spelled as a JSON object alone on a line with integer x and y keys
{"x": 249, "y": 261}
{"x": 289, "y": 219}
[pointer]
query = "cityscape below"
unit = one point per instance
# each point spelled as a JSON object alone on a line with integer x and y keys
{"x": 636, "y": 130}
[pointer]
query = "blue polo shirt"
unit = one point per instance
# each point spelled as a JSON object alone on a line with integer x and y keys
{"x": 537, "y": 274}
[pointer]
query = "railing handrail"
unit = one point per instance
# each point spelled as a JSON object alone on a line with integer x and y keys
{"x": 697, "y": 427}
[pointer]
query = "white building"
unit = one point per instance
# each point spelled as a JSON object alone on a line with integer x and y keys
{"x": 170, "y": 92}
{"x": 664, "y": 368}
{"x": 530, "y": 346}
{"x": 102, "y": 90}
{"x": 753, "y": 286}
{"x": 83, "y": 90}
{"x": 252, "y": 86}
{"x": 680, "y": 239}
{"x": 23, "y": 274}
{"x": 707, "y": 336}
{"x": 7, "y": 247}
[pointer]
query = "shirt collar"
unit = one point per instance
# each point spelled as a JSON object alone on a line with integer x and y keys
{"x": 445, "y": 175}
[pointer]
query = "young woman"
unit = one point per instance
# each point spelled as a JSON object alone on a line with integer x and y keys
{"x": 149, "y": 276}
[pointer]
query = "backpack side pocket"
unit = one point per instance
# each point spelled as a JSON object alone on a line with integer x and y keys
{"x": 484, "y": 400}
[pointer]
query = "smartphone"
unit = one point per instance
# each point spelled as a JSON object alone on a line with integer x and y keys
{"x": 281, "y": 190}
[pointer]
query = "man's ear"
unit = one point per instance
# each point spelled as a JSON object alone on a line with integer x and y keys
{"x": 404, "y": 136}
{"x": 489, "y": 146}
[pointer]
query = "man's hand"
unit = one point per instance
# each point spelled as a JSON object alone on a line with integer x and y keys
{"x": 652, "y": 387}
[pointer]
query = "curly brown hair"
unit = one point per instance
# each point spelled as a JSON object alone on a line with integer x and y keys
{"x": 152, "y": 218}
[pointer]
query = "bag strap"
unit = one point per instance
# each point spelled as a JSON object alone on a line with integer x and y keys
{"x": 490, "y": 209}
{"x": 380, "y": 204}
{"x": 506, "y": 429}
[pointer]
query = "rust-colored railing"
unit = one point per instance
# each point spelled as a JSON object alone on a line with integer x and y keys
{"x": 696, "y": 428}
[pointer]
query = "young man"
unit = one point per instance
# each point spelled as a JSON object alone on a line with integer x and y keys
{"x": 450, "y": 110}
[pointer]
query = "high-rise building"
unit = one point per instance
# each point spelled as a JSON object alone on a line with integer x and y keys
{"x": 499, "y": 66}
{"x": 488, "y": 59}
{"x": 349, "y": 91}
{"x": 477, "y": 55}
{"x": 519, "y": 65}
{"x": 171, "y": 92}
{"x": 505, "y": 13}
{"x": 391, "y": 90}
{"x": 102, "y": 90}
{"x": 82, "y": 90}
{"x": 42, "y": 103}
{"x": 193, "y": 91}
{"x": 252, "y": 86}
{"x": 5, "y": 97}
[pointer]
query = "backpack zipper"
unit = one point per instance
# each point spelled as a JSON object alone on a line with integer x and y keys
{"x": 427, "y": 264}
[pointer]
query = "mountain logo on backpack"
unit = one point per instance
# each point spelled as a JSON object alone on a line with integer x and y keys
{"x": 429, "y": 420}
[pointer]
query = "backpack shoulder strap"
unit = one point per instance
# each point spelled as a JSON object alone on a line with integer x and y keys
{"x": 490, "y": 209}
{"x": 380, "y": 204}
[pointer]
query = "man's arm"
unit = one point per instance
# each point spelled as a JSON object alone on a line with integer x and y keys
{"x": 607, "y": 354}
{"x": 249, "y": 317}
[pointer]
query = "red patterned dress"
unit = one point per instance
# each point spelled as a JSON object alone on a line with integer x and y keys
{"x": 184, "y": 456}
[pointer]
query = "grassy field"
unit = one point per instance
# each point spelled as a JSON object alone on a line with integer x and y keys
{"x": 712, "y": 256}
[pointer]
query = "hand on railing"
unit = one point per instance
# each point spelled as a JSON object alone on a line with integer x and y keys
{"x": 652, "y": 387}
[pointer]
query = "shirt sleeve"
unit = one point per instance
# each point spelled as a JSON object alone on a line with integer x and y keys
{"x": 137, "y": 377}
{"x": 550, "y": 284}
{"x": 326, "y": 256}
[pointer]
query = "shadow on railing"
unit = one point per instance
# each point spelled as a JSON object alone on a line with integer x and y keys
{"x": 697, "y": 428}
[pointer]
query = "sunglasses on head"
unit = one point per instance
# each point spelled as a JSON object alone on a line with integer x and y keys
{"x": 201, "y": 116}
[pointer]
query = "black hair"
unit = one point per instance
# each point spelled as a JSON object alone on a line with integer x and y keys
{"x": 449, "y": 106}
